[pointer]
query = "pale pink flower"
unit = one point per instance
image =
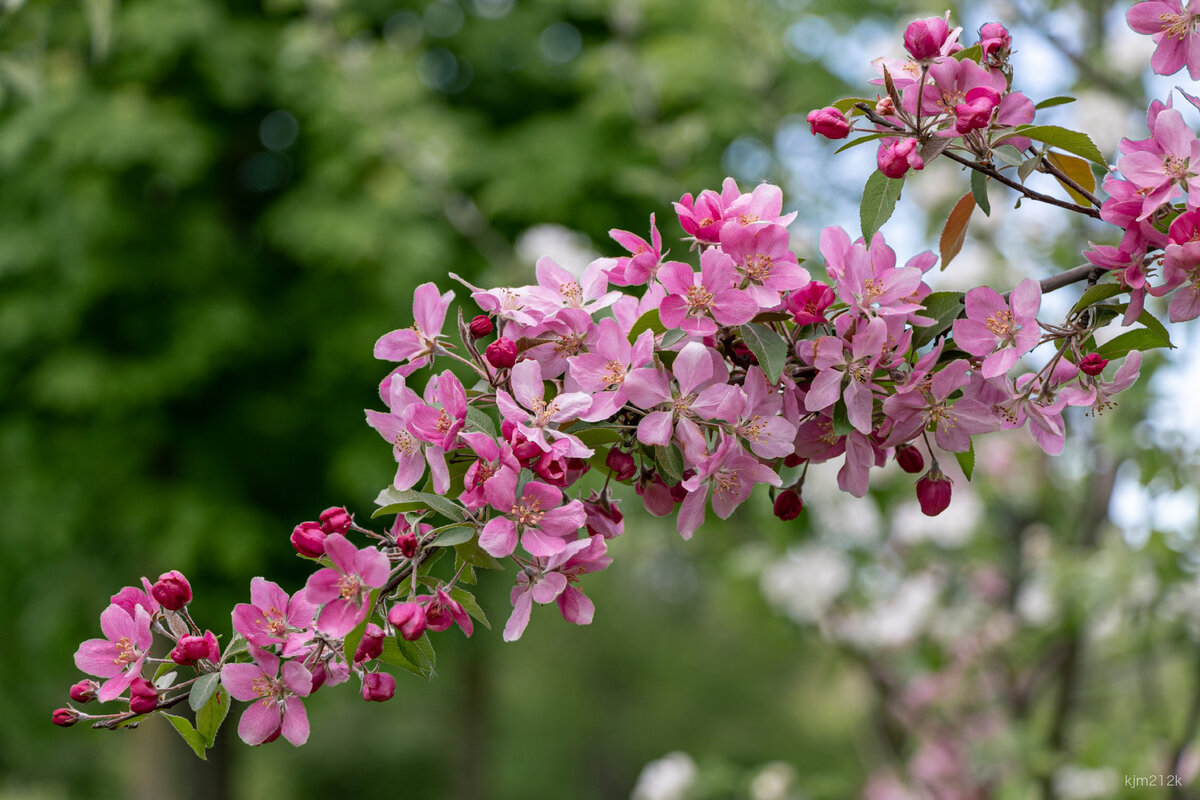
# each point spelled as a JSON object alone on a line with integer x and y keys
{"x": 642, "y": 265}
{"x": 538, "y": 517}
{"x": 769, "y": 267}
{"x": 534, "y": 416}
{"x": 275, "y": 705}
{"x": 952, "y": 420}
{"x": 1175, "y": 32}
{"x": 601, "y": 372}
{"x": 1181, "y": 267}
{"x": 558, "y": 289}
{"x": 697, "y": 303}
{"x": 272, "y": 616}
{"x": 1170, "y": 164}
{"x": 410, "y": 452}
{"x": 416, "y": 345}
{"x": 549, "y": 580}
{"x": 999, "y": 330}
{"x": 731, "y": 475}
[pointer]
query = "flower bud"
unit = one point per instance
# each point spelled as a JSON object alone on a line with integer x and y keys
{"x": 190, "y": 649}
{"x": 309, "y": 539}
{"x": 828, "y": 122}
{"x": 576, "y": 468}
{"x": 793, "y": 460}
{"x": 910, "y": 459}
{"x": 933, "y": 491}
{"x": 481, "y": 326}
{"x": 1092, "y": 364}
{"x": 84, "y": 691}
{"x": 378, "y": 687}
{"x": 143, "y": 697}
{"x": 527, "y": 450}
{"x": 788, "y": 505}
{"x": 172, "y": 590}
{"x": 335, "y": 520}
{"x": 407, "y": 543}
{"x": 885, "y": 107}
{"x": 995, "y": 41}
{"x": 622, "y": 464}
{"x": 975, "y": 112}
{"x": 409, "y": 619}
{"x": 896, "y": 156}
{"x": 370, "y": 645}
{"x": 502, "y": 353}
{"x": 923, "y": 38}
{"x": 65, "y": 717}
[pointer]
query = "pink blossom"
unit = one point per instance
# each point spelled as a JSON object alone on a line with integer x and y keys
{"x": 120, "y": 654}
{"x": 272, "y": 616}
{"x": 416, "y": 345}
{"x": 534, "y": 416}
{"x": 550, "y": 580}
{"x": 411, "y": 453}
{"x": 808, "y": 303}
{"x": 697, "y": 303}
{"x": 953, "y": 421}
{"x": 440, "y": 424}
{"x": 931, "y": 38}
{"x": 756, "y": 409}
{"x": 1181, "y": 267}
{"x": 494, "y": 473}
{"x": 275, "y": 705}
{"x": 768, "y": 265}
{"x": 442, "y": 611}
{"x": 642, "y": 265}
{"x": 897, "y": 155}
{"x": 1174, "y": 31}
{"x": 828, "y": 355}
{"x": 538, "y": 517}
{"x": 731, "y": 475}
{"x": 601, "y": 372}
{"x": 558, "y": 289}
{"x": 344, "y": 589}
{"x": 828, "y": 122}
{"x": 1170, "y": 164}
{"x": 1002, "y": 331}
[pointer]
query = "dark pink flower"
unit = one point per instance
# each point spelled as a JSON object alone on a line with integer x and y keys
{"x": 143, "y": 697}
{"x": 933, "y": 492}
{"x": 698, "y": 302}
{"x": 190, "y": 649}
{"x": 1001, "y": 331}
{"x": 172, "y": 590}
{"x": 829, "y": 122}
{"x": 926, "y": 39}
{"x": 272, "y": 616}
{"x": 1175, "y": 32}
{"x": 549, "y": 580}
{"x": 120, "y": 655}
{"x": 408, "y": 619}
{"x": 642, "y": 265}
{"x": 896, "y": 156}
{"x": 538, "y": 517}
{"x": 344, "y": 589}
{"x": 336, "y": 520}
{"x": 378, "y": 687}
{"x": 788, "y": 505}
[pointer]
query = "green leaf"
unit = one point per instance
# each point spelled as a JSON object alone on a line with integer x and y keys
{"x": 1027, "y": 167}
{"x": 470, "y": 605}
{"x": 1009, "y": 155}
{"x": 870, "y": 137}
{"x": 476, "y": 556}
{"x": 943, "y": 307}
{"x": 163, "y": 669}
{"x": 967, "y": 460}
{"x": 1140, "y": 339}
{"x": 393, "y": 656}
{"x": 847, "y": 104}
{"x": 595, "y": 436}
{"x": 974, "y": 52}
{"x": 670, "y": 461}
{"x": 420, "y": 654}
{"x": 351, "y": 640}
{"x": 211, "y": 715}
{"x": 394, "y": 501}
{"x": 878, "y": 202}
{"x": 481, "y": 420}
{"x": 1064, "y": 139}
{"x": 841, "y": 419}
{"x": 1097, "y": 293}
{"x": 979, "y": 192}
{"x": 203, "y": 689}
{"x": 452, "y": 534}
{"x": 650, "y": 321}
{"x": 768, "y": 347}
{"x": 189, "y": 734}
{"x": 1050, "y": 102}
{"x": 1152, "y": 323}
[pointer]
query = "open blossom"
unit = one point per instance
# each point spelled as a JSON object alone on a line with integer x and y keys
{"x": 1166, "y": 164}
{"x": 439, "y": 424}
{"x": 410, "y": 452}
{"x": 275, "y": 705}
{"x": 1174, "y": 28}
{"x": 534, "y": 416}
{"x": 601, "y": 372}
{"x": 1001, "y": 331}
{"x": 1181, "y": 267}
{"x": 558, "y": 289}
{"x": 538, "y": 517}
{"x": 856, "y": 367}
{"x": 731, "y": 475}
{"x": 272, "y": 616}
{"x": 952, "y": 420}
{"x": 120, "y": 654}
{"x": 761, "y": 251}
{"x": 550, "y": 580}
{"x": 415, "y": 346}
{"x": 344, "y": 589}
{"x": 642, "y": 264}
{"x": 697, "y": 303}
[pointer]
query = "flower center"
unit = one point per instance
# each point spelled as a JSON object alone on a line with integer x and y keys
{"x": 872, "y": 290}
{"x": 614, "y": 375}
{"x": 758, "y": 267}
{"x": 543, "y": 412}
{"x": 273, "y": 622}
{"x": 726, "y": 483}
{"x": 1176, "y": 26}
{"x": 528, "y": 512}
{"x": 404, "y": 443}
{"x": 683, "y": 405}
{"x": 349, "y": 586}
{"x": 444, "y": 423}
{"x": 265, "y": 688}
{"x": 753, "y": 430}
{"x": 572, "y": 293}
{"x": 1000, "y": 324}
{"x": 126, "y": 654}
{"x": 699, "y": 300}
{"x": 941, "y": 417}
{"x": 1176, "y": 168}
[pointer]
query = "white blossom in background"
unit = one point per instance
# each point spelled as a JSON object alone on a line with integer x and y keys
{"x": 1073, "y": 782}
{"x": 570, "y": 249}
{"x": 896, "y": 618}
{"x": 806, "y": 581}
{"x": 666, "y": 778}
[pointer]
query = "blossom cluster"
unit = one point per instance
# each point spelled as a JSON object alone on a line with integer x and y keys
{"x": 694, "y": 377}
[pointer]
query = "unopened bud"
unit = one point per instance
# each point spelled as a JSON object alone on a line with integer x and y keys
{"x": 407, "y": 543}
{"x": 370, "y": 645}
{"x": 190, "y": 649}
{"x": 788, "y": 505}
{"x": 84, "y": 691}
{"x": 335, "y": 520}
{"x": 172, "y": 590}
{"x": 793, "y": 460}
{"x": 828, "y": 122}
{"x": 933, "y": 492}
{"x": 910, "y": 459}
{"x": 885, "y": 107}
{"x": 408, "y": 619}
{"x": 502, "y": 353}
{"x": 481, "y": 326}
{"x": 378, "y": 687}
{"x": 143, "y": 697}
{"x": 309, "y": 539}
{"x": 923, "y": 38}
{"x": 1092, "y": 364}
{"x": 622, "y": 464}
{"x": 65, "y": 717}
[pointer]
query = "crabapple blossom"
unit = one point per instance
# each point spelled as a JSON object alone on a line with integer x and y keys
{"x": 343, "y": 589}
{"x": 275, "y": 704}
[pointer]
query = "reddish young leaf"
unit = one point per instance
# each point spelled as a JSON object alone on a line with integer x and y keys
{"x": 956, "y": 228}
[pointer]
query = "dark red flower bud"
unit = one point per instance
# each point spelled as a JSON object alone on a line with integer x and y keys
{"x": 788, "y": 505}
{"x": 370, "y": 645}
{"x": 409, "y": 619}
{"x": 502, "y": 353}
{"x": 143, "y": 697}
{"x": 910, "y": 459}
{"x": 622, "y": 464}
{"x": 933, "y": 491}
{"x": 793, "y": 460}
{"x": 1092, "y": 364}
{"x": 84, "y": 691}
{"x": 407, "y": 544}
{"x": 309, "y": 539}
{"x": 335, "y": 520}
{"x": 65, "y": 717}
{"x": 172, "y": 590}
{"x": 576, "y": 468}
{"x": 481, "y": 326}
{"x": 828, "y": 122}
{"x": 378, "y": 687}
